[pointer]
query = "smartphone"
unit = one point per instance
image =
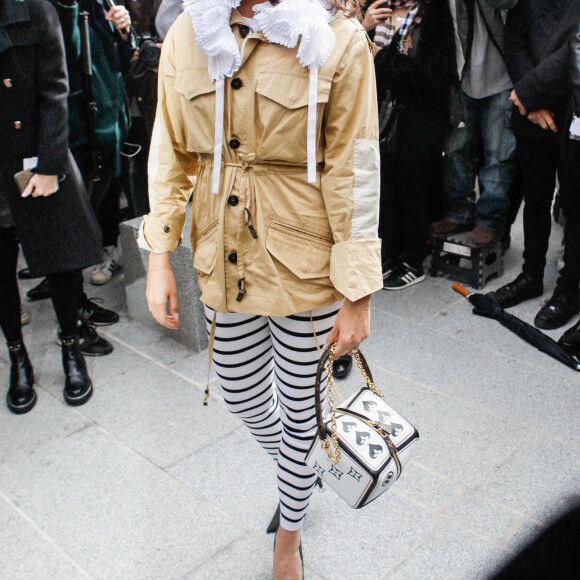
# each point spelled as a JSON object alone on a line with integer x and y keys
{"x": 22, "y": 178}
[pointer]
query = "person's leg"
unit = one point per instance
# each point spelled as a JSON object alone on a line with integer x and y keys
{"x": 538, "y": 162}
{"x": 21, "y": 396}
{"x": 10, "y": 302}
{"x": 460, "y": 164}
{"x": 497, "y": 171}
{"x": 565, "y": 302}
{"x": 243, "y": 360}
{"x": 78, "y": 387}
{"x": 296, "y": 359}
{"x": 389, "y": 224}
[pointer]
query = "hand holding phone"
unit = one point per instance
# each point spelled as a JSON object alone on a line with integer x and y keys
{"x": 376, "y": 14}
{"x": 36, "y": 185}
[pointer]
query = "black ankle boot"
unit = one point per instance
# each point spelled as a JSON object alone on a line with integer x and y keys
{"x": 78, "y": 387}
{"x": 21, "y": 396}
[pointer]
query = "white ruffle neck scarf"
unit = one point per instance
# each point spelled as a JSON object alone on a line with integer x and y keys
{"x": 286, "y": 24}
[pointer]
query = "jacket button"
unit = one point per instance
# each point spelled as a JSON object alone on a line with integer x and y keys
{"x": 233, "y": 200}
{"x": 244, "y": 30}
{"x": 234, "y": 143}
{"x": 236, "y": 83}
{"x": 166, "y": 229}
{"x": 17, "y": 125}
{"x": 8, "y": 83}
{"x": 233, "y": 257}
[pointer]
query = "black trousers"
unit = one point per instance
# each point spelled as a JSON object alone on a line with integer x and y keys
{"x": 407, "y": 186}
{"x": 64, "y": 291}
{"x": 540, "y": 161}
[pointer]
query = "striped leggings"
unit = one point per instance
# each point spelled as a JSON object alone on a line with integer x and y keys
{"x": 267, "y": 367}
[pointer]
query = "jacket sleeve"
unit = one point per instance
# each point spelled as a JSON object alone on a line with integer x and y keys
{"x": 52, "y": 92}
{"x": 501, "y": 4}
{"x": 518, "y": 58}
{"x": 172, "y": 169}
{"x": 574, "y": 67}
{"x": 350, "y": 178}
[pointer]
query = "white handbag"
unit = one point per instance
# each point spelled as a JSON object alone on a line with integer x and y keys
{"x": 363, "y": 445}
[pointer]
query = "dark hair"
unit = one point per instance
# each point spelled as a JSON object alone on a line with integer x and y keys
{"x": 350, "y": 7}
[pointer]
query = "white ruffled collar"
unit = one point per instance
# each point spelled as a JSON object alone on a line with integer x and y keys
{"x": 285, "y": 24}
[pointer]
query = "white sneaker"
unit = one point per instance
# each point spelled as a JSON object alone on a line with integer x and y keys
{"x": 103, "y": 272}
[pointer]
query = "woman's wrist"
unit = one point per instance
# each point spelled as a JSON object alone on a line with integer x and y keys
{"x": 360, "y": 304}
{"x": 159, "y": 262}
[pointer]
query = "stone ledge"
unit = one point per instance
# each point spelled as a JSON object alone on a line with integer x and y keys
{"x": 192, "y": 331}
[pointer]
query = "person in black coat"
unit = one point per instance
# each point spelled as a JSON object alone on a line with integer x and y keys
{"x": 416, "y": 70}
{"x": 51, "y": 218}
{"x": 536, "y": 47}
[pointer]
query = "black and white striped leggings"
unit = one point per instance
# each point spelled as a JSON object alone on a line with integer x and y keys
{"x": 267, "y": 368}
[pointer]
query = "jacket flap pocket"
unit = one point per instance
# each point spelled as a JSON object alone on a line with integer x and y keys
{"x": 304, "y": 253}
{"x": 291, "y": 91}
{"x": 193, "y": 82}
{"x": 205, "y": 255}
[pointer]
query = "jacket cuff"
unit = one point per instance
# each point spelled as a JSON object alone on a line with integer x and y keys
{"x": 526, "y": 96}
{"x": 355, "y": 268}
{"x": 158, "y": 235}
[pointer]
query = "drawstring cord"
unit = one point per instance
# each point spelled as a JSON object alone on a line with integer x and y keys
{"x": 210, "y": 348}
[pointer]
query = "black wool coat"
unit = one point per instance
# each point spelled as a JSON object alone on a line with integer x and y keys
{"x": 58, "y": 233}
{"x": 536, "y": 53}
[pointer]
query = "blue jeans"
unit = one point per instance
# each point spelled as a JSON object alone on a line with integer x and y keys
{"x": 487, "y": 120}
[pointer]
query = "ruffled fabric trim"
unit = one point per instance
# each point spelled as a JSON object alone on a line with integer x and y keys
{"x": 287, "y": 22}
{"x": 211, "y": 23}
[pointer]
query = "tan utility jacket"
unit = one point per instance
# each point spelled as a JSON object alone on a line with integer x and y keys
{"x": 270, "y": 243}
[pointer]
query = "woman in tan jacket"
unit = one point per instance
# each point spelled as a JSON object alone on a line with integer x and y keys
{"x": 267, "y": 110}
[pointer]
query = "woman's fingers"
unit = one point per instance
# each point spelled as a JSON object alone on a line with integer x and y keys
{"x": 161, "y": 289}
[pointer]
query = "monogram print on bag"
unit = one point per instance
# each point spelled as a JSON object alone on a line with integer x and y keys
{"x": 348, "y": 426}
{"x": 396, "y": 429}
{"x": 336, "y": 472}
{"x": 354, "y": 474}
{"x": 384, "y": 417}
{"x": 370, "y": 405}
{"x": 375, "y": 451}
{"x": 362, "y": 437}
{"x": 318, "y": 469}
{"x": 390, "y": 476}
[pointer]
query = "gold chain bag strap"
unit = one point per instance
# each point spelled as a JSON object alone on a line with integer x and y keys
{"x": 363, "y": 444}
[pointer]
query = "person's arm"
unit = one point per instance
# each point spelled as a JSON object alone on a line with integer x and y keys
{"x": 173, "y": 172}
{"x": 350, "y": 188}
{"x": 68, "y": 14}
{"x": 52, "y": 92}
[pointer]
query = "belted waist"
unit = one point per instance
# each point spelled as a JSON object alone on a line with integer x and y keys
{"x": 248, "y": 161}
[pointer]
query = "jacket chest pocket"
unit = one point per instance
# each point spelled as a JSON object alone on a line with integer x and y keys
{"x": 197, "y": 96}
{"x": 282, "y": 108}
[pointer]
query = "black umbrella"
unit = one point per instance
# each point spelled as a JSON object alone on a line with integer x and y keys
{"x": 488, "y": 306}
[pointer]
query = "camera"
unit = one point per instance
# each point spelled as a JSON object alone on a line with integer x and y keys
{"x": 149, "y": 52}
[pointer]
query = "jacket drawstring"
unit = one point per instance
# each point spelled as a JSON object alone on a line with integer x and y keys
{"x": 311, "y": 132}
{"x": 210, "y": 349}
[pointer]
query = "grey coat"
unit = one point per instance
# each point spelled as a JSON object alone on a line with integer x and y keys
{"x": 60, "y": 232}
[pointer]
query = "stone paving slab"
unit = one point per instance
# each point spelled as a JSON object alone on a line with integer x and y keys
{"x": 144, "y": 482}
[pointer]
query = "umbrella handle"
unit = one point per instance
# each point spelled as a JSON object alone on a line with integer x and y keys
{"x": 459, "y": 288}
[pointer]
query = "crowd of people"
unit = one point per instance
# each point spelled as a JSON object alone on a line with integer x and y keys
{"x": 463, "y": 108}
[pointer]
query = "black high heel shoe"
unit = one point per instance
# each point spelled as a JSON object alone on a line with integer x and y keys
{"x": 21, "y": 396}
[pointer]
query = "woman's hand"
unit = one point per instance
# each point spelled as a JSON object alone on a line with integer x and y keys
{"x": 376, "y": 14}
{"x": 161, "y": 288}
{"x": 120, "y": 18}
{"x": 352, "y": 326}
{"x": 41, "y": 185}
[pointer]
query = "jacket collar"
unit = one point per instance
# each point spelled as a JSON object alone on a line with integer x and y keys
{"x": 13, "y": 12}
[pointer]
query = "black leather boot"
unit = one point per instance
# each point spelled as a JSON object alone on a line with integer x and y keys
{"x": 21, "y": 396}
{"x": 570, "y": 340}
{"x": 78, "y": 387}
